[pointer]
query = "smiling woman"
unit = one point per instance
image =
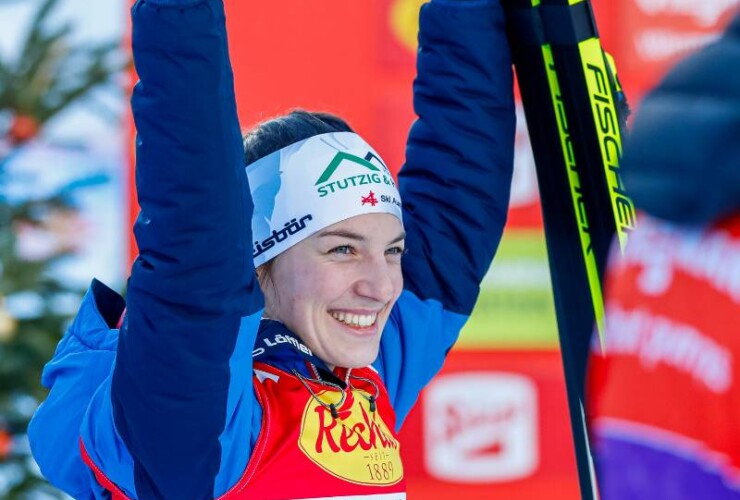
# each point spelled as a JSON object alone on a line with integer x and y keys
{"x": 335, "y": 290}
{"x": 281, "y": 319}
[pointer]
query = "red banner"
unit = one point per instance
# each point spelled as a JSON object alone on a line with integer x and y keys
{"x": 652, "y": 35}
{"x": 492, "y": 424}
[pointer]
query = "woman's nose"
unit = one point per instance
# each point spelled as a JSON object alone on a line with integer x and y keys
{"x": 377, "y": 281}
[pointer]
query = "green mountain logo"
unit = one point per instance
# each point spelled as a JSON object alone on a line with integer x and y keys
{"x": 338, "y": 159}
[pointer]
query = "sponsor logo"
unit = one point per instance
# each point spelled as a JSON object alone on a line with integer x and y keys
{"x": 607, "y": 129}
{"x": 664, "y": 251}
{"x": 481, "y": 427}
{"x": 276, "y": 341}
{"x": 289, "y": 228}
{"x": 707, "y": 13}
{"x": 384, "y": 198}
{"x": 357, "y": 447}
{"x": 371, "y": 199}
{"x": 658, "y": 341}
{"x": 329, "y": 183}
{"x": 657, "y": 44}
{"x": 566, "y": 143}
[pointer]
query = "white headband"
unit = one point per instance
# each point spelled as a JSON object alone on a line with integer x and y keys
{"x": 312, "y": 184}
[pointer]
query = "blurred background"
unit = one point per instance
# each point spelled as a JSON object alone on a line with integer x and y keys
{"x": 494, "y": 423}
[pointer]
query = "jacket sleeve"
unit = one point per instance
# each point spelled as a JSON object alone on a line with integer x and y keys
{"x": 82, "y": 362}
{"x": 455, "y": 186}
{"x": 182, "y": 379}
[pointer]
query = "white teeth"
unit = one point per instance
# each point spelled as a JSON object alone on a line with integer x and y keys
{"x": 355, "y": 319}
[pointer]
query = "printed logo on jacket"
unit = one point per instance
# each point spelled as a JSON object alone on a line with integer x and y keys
{"x": 357, "y": 447}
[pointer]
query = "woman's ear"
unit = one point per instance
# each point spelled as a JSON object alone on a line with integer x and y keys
{"x": 264, "y": 278}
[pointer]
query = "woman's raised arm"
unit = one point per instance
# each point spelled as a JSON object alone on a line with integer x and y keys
{"x": 182, "y": 366}
{"x": 455, "y": 185}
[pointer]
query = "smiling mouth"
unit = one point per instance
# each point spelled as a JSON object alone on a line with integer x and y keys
{"x": 355, "y": 320}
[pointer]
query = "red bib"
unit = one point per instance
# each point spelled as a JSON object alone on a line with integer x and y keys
{"x": 304, "y": 451}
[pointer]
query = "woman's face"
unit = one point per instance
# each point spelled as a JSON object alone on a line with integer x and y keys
{"x": 336, "y": 288}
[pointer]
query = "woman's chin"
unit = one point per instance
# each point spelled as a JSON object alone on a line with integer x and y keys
{"x": 358, "y": 357}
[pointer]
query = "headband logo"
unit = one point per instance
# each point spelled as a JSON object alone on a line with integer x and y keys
{"x": 374, "y": 175}
{"x": 289, "y": 228}
{"x": 371, "y": 199}
{"x": 338, "y": 159}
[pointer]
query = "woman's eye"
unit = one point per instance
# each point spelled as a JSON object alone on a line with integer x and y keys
{"x": 342, "y": 250}
{"x": 396, "y": 251}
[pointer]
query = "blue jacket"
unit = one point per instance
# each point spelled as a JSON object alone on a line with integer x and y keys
{"x": 165, "y": 406}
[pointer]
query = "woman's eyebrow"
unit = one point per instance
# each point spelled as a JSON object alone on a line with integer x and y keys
{"x": 398, "y": 238}
{"x": 343, "y": 234}
{"x": 356, "y": 236}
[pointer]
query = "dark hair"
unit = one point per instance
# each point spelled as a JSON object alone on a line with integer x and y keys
{"x": 276, "y": 133}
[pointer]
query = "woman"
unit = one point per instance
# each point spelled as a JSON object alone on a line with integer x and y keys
{"x": 216, "y": 387}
